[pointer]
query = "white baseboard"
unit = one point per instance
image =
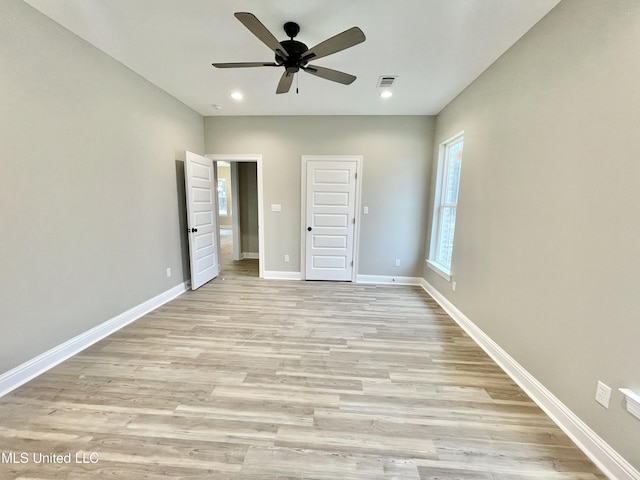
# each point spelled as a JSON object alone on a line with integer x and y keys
{"x": 250, "y": 255}
{"x": 386, "y": 279}
{"x": 273, "y": 275}
{"x": 32, "y": 368}
{"x": 379, "y": 279}
{"x": 599, "y": 451}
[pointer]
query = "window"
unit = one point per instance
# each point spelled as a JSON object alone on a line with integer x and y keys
{"x": 446, "y": 205}
{"x": 222, "y": 196}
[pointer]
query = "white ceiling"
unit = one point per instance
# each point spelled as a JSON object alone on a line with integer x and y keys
{"x": 436, "y": 47}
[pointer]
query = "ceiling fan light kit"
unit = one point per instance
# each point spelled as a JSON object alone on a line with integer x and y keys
{"x": 294, "y": 55}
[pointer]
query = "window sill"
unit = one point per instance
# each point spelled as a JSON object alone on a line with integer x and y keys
{"x": 440, "y": 270}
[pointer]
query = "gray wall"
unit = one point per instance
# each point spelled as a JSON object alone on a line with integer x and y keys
{"x": 89, "y": 185}
{"x": 546, "y": 254}
{"x": 248, "y": 205}
{"x": 396, "y": 169}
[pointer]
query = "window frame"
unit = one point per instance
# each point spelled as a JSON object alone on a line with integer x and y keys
{"x": 440, "y": 204}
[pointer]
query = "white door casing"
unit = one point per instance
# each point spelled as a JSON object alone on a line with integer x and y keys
{"x": 330, "y": 187}
{"x": 202, "y": 219}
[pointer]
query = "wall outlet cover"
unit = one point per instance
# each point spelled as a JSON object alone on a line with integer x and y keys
{"x": 603, "y": 394}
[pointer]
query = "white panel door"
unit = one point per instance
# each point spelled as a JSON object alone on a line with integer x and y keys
{"x": 330, "y": 219}
{"x": 201, "y": 216}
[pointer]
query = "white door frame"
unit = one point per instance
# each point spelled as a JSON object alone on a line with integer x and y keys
{"x": 248, "y": 157}
{"x": 303, "y": 210}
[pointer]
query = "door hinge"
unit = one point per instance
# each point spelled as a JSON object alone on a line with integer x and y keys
{"x": 356, "y": 175}
{"x": 354, "y": 220}
{"x": 352, "y": 263}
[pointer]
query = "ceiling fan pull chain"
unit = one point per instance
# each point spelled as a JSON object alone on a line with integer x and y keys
{"x": 297, "y": 83}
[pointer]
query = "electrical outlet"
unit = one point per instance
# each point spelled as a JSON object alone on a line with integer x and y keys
{"x": 603, "y": 394}
{"x": 453, "y": 286}
{"x": 286, "y": 259}
{"x": 168, "y": 272}
{"x": 397, "y": 262}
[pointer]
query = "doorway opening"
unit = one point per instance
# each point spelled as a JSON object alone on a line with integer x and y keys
{"x": 240, "y": 214}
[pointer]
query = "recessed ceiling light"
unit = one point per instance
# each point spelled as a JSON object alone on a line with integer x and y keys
{"x": 386, "y": 94}
{"x": 216, "y": 106}
{"x": 236, "y": 96}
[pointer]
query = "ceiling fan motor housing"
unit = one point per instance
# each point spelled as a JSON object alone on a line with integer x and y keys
{"x": 295, "y": 50}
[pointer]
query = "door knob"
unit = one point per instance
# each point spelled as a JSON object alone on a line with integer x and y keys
{"x": 308, "y": 229}
{"x": 194, "y": 230}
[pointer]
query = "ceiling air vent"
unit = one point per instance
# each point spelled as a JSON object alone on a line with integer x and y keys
{"x": 387, "y": 81}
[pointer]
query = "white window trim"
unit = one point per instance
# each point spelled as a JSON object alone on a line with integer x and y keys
{"x": 442, "y": 270}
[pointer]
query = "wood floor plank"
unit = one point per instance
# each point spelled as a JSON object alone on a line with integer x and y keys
{"x": 279, "y": 463}
{"x": 248, "y": 379}
{"x": 347, "y": 439}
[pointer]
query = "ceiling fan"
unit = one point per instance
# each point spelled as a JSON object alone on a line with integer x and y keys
{"x": 294, "y": 55}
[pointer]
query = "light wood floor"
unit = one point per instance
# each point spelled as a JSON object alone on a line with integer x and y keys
{"x": 258, "y": 380}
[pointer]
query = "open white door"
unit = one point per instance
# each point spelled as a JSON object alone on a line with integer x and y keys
{"x": 330, "y": 219}
{"x": 201, "y": 217}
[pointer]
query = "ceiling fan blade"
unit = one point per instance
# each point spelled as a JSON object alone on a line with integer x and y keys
{"x": 329, "y": 74}
{"x": 259, "y": 30}
{"x": 337, "y": 43}
{"x": 285, "y": 82}
{"x": 245, "y": 64}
